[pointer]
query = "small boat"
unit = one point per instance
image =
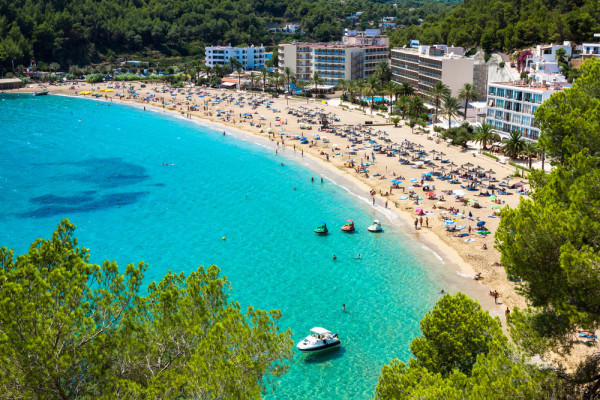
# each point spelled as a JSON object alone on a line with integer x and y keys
{"x": 322, "y": 229}
{"x": 349, "y": 227}
{"x": 319, "y": 339}
{"x": 375, "y": 227}
{"x": 45, "y": 92}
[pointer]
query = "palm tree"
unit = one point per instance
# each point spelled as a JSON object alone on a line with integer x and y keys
{"x": 53, "y": 67}
{"x": 416, "y": 106}
{"x": 239, "y": 73}
{"x": 531, "y": 149}
{"x": 438, "y": 92}
{"x": 371, "y": 88}
{"x": 513, "y": 145}
{"x": 383, "y": 72}
{"x": 407, "y": 89}
{"x": 485, "y": 134}
{"x": 343, "y": 84}
{"x": 466, "y": 94}
{"x": 252, "y": 79}
{"x": 264, "y": 74}
{"x": 403, "y": 104}
{"x": 354, "y": 88}
{"x": 316, "y": 80}
{"x": 390, "y": 88}
{"x": 290, "y": 76}
{"x": 450, "y": 108}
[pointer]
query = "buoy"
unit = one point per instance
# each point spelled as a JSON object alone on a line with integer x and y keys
{"x": 223, "y": 238}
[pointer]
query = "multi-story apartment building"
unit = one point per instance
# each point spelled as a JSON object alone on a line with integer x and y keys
{"x": 250, "y": 57}
{"x": 424, "y": 66}
{"x": 356, "y": 57}
{"x": 511, "y": 106}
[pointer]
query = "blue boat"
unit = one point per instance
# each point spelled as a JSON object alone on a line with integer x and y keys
{"x": 45, "y": 92}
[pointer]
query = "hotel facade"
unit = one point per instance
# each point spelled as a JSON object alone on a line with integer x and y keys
{"x": 424, "y": 66}
{"x": 250, "y": 57}
{"x": 511, "y": 106}
{"x": 356, "y": 57}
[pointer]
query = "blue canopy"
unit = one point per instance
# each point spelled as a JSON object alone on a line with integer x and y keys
{"x": 481, "y": 223}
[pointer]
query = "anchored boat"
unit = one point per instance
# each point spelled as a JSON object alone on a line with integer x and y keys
{"x": 319, "y": 339}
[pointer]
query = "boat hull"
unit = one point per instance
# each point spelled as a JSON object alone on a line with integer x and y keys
{"x": 320, "y": 348}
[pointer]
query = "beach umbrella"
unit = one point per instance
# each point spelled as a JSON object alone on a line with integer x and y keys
{"x": 493, "y": 197}
{"x": 450, "y": 222}
{"x": 413, "y": 180}
{"x": 419, "y": 210}
{"x": 468, "y": 165}
{"x": 458, "y": 192}
{"x": 430, "y": 193}
{"x": 480, "y": 224}
{"x": 470, "y": 214}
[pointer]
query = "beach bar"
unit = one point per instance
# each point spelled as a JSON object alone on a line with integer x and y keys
{"x": 10, "y": 83}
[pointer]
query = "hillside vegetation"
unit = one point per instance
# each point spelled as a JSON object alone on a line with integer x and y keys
{"x": 507, "y": 24}
{"x": 83, "y": 31}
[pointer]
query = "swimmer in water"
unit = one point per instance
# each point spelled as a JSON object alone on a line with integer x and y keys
{"x": 344, "y": 307}
{"x": 334, "y": 257}
{"x": 358, "y": 256}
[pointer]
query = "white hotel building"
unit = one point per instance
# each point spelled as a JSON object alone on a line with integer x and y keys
{"x": 510, "y": 106}
{"x": 250, "y": 57}
{"x": 356, "y": 57}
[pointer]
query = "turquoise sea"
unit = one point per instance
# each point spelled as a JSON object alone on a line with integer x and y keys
{"x": 101, "y": 165}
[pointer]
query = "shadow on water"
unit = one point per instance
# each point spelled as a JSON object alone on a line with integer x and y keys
{"x": 324, "y": 356}
{"x": 106, "y": 172}
{"x": 59, "y": 205}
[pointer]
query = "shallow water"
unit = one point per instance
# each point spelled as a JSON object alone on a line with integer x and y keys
{"x": 101, "y": 166}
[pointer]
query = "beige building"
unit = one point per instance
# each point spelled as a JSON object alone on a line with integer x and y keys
{"x": 424, "y": 66}
{"x": 10, "y": 83}
{"x": 356, "y": 57}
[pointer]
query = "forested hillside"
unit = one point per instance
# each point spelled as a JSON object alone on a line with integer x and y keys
{"x": 507, "y": 24}
{"x": 83, "y": 31}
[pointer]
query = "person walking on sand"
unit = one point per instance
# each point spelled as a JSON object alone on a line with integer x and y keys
{"x": 416, "y": 223}
{"x": 427, "y": 222}
{"x": 421, "y": 221}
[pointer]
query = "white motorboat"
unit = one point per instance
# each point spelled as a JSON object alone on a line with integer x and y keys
{"x": 319, "y": 339}
{"x": 375, "y": 227}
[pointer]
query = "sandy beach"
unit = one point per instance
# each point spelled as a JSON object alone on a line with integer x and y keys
{"x": 438, "y": 207}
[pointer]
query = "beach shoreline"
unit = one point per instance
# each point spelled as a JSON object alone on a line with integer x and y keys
{"x": 460, "y": 269}
{"x": 459, "y": 261}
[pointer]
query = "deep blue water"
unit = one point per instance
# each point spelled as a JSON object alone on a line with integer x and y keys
{"x": 101, "y": 166}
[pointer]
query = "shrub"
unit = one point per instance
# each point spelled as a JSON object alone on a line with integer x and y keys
{"x": 380, "y": 115}
{"x": 487, "y": 57}
{"x": 438, "y": 129}
{"x": 514, "y": 164}
{"x": 502, "y": 64}
{"x": 485, "y": 153}
{"x": 395, "y": 121}
{"x": 94, "y": 78}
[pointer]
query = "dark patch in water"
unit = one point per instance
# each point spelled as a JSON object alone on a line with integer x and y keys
{"x": 109, "y": 172}
{"x": 57, "y": 205}
{"x": 53, "y": 199}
